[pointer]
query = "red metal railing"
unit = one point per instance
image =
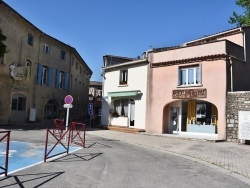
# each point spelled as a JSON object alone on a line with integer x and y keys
{"x": 7, "y": 136}
{"x": 76, "y": 130}
{"x": 58, "y": 127}
{"x": 75, "y": 134}
{"x": 59, "y": 140}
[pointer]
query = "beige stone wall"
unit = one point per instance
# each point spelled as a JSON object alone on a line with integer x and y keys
{"x": 16, "y": 29}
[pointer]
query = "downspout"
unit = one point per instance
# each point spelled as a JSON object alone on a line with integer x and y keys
{"x": 231, "y": 72}
{"x": 32, "y": 67}
{"x": 244, "y": 44}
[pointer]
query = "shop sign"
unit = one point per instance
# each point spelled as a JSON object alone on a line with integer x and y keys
{"x": 189, "y": 93}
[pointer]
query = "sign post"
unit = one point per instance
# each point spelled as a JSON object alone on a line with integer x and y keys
{"x": 68, "y": 104}
{"x": 90, "y": 112}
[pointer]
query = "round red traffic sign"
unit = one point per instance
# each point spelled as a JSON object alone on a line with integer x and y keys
{"x": 68, "y": 99}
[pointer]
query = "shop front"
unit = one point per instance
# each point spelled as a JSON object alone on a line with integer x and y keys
{"x": 191, "y": 115}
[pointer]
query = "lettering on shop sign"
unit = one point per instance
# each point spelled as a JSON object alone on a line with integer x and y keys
{"x": 189, "y": 93}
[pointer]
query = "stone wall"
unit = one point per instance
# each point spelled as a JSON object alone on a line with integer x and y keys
{"x": 236, "y": 101}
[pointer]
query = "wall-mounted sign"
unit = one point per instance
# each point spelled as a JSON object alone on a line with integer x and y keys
{"x": 189, "y": 93}
{"x": 18, "y": 72}
{"x": 244, "y": 125}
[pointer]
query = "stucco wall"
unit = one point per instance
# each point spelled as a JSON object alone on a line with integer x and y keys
{"x": 137, "y": 80}
{"x": 16, "y": 29}
{"x": 164, "y": 81}
{"x": 218, "y": 47}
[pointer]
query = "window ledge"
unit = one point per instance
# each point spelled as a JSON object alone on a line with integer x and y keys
{"x": 125, "y": 85}
{"x": 195, "y": 85}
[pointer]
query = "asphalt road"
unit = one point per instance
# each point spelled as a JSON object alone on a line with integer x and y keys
{"x": 111, "y": 163}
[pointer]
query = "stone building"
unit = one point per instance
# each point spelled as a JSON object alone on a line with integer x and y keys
{"x": 37, "y": 72}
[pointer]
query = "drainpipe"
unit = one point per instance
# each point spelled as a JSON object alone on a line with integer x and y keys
{"x": 244, "y": 44}
{"x": 231, "y": 72}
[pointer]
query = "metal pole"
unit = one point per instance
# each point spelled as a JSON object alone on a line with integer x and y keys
{"x": 67, "y": 119}
{"x": 90, "y": 120}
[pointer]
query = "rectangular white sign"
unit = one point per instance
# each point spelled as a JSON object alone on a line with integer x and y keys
{"x": 244, "y": 125}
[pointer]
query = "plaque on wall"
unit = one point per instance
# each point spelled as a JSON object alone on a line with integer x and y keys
{"x": 244, "y": 125}
{"x": 189, "y": 93}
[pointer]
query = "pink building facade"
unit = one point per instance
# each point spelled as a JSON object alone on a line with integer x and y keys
{"x": 188, "y": 84}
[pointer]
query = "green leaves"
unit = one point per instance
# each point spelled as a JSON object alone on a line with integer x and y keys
{"x": 241, "y": 20}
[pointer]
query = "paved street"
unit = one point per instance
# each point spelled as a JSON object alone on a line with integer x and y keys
{"x": 116, "y": 159}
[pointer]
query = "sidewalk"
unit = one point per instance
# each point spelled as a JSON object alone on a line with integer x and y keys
{"x": 227, "y": 157}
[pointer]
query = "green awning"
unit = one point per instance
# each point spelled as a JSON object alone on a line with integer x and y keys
{"x": 124, "y": 93}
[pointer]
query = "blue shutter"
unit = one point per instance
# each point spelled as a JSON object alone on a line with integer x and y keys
{"x": 39, "y": 74}
{"x": 66, "y": 81}
{"x": 50, "y": 77}
{"x": 57, "y": 78}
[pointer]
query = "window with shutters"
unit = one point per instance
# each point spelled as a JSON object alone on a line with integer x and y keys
{"x": 44, "y": 75}
{"x": 61, "y": 79}
{"x": 189, "y": 76}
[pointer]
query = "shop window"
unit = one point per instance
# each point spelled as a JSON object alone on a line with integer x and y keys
{"x": 123, "y": 77}
{"x": 121, "y": 107}
{"x": 189, "y": 76}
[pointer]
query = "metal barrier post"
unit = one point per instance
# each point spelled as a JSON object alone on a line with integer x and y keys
{"x": 7, "y": 134}
{"x": 78, "y": 131}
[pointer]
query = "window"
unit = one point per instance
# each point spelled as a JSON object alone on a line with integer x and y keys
{"x": 72, "y": 63}
{"x": 28, "y": 65}
{"x": 121, "y": 107}
{"x": 76, "y": 65}
{"x": 63, "y": 55}
{"x": 61, "y": 79}
{"x": 44, "y": 75}
{"x": 80, "y": 70}
{"x": 1, "y": 59}
{"x": 189, "y": 76}
{"x": 30, "y": 39}
{"x": 123, "y": 77}
{"x": 46, "y": 48}
{"x": 18, "y": 104}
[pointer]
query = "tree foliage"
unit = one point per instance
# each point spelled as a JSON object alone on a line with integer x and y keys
{"x": 241, "y": 20}
{"x": 2, "y": 45}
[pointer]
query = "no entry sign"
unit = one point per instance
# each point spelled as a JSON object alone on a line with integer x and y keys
{"x": 68, "y": 99}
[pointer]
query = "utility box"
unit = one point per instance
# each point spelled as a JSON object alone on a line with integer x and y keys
{"x": 32, "y": 114}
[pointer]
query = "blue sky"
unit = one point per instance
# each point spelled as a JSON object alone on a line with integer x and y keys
{"x": 125, "y": 27}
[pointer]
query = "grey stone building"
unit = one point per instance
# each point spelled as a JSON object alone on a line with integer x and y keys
{"x": 37, "y": 72}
